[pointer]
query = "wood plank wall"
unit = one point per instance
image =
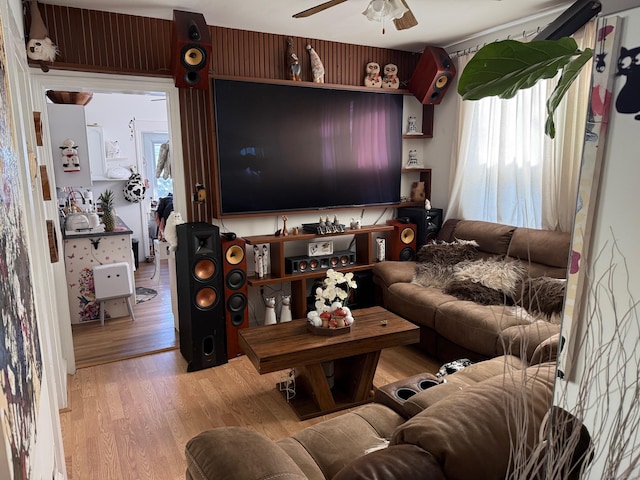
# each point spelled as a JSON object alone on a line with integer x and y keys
{"x": 103, "y": 42}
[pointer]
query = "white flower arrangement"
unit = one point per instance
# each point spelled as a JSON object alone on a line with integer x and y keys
{"x": 331, "y": 299}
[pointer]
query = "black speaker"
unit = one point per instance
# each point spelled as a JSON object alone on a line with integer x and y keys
{"x": 190, "y": 50}
{"x": 234, "y": 266}
{"x": 304, "y": 263}
{"x": 200, "y": 296}
{"x": 428, "y": 222}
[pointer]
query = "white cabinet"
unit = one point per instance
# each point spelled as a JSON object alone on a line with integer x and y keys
{"x": 68, "y": 122}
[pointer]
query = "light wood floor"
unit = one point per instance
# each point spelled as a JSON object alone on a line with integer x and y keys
{"x": 131, "y": 419}
{"x": 152, "y": 331}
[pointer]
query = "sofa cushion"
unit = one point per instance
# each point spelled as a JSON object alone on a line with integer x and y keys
{"x": 545, "y": 252}
{"x": 214, "y": 454}
{"x": 523, "y": 340}
{"x": 399, "y": 462}
{"x": 415, "y": 303}
{"x": 476, "y": 327}
{"x": 472, "y": 434}
{"x": 323, "y": 449}
{"x": 389, "y": 272}
{"x": 492, "y": 238}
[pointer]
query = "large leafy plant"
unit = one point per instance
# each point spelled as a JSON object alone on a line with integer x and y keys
{"x": 502, "y": 68}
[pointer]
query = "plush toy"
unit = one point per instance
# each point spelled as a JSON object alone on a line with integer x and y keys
{"x": 70, "y": 160}
{"x": 372, "y": 77}
{"x": 390, "y": 79}
{"x": 40, "y": 47}
{"x": 170, "y": 233}
{"x": 418, "y": 192}
{"x": 317, "y": 68}
{"x": 134, "y": 189}
{"x": 293, "y": 62}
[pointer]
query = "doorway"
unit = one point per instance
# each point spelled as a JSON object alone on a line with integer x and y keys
{"x": 145, "y": 338}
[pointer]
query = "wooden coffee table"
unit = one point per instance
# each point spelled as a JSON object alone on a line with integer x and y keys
{"x": 354, "y": 358}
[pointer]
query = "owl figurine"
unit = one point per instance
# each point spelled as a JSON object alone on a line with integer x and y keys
{"x": 317, "y": 69}
{"x": 390, "y": 79}
{"x": 372, "y": 77}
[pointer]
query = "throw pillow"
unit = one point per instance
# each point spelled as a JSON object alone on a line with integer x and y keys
{"x": 486, "y": 281}
{"x": 435, "y": 261}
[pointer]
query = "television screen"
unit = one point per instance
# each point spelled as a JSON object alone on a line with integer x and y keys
{"x": 287, "y": 147}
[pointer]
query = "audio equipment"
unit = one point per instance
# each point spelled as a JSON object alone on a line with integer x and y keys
{"x": 305, "y": 263}
{"x": 428, "y": 222}
{"x": 200, "y": 296}
{"x": 190, "y": 50}
{"x": 432, "y": 76}
{"x": 236, "y": 313}
{"x": 402, "y": 241}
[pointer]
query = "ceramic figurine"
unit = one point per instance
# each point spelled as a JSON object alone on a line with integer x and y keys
{"x": 412, "y": 128}
{"x": 285, "y": 312}
{"x": 372, "y": 77}
{"x": 293, "y": 62}
{"x": 390, "y": 78}
{"x": 270, "y": 311}
{"x": 317, "y": 69}
{"x": 70, "y": 160}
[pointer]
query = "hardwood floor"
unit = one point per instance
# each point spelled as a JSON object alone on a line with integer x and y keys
{"x": 120, "y": 338}
{"x": 131, "y": 419}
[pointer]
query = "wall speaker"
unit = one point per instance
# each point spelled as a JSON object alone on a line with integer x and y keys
{"x": 432, "y": 76}
{"x": 200, "y": 296}
{"x": 401, "y": 243}
{"x": 236, "y": 306}
{"x": 190, "y": 50}
{"x": 428, "y": 222}
{"x": 304, "y": 263}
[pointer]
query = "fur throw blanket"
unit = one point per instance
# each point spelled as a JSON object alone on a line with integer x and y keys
{"x": 453, "y": 268}
{"x": 437, "y": 259}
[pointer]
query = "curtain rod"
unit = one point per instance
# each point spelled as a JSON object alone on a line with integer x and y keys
{"x": 470, "y": 50}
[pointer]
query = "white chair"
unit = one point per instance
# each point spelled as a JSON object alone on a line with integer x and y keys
{"x": 113, "y": 281}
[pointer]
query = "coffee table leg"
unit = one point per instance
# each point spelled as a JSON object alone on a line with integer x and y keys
{"x": 363, "y": 370}
{"x": 317, "y": 381}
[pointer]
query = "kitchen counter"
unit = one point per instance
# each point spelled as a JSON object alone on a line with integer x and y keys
{"x": 82, "y": 252}
{"x": 121, "y": 228}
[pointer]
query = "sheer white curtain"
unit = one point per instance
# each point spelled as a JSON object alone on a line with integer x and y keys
{"x": 506, "y": 170}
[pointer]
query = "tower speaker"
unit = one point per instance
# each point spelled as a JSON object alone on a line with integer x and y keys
{"x": 402, "y": 241}
{"x": 428, "y": 222}
{"x": 236, "y": 306}
{"x": 432, "y": 76}
{"x": 190, "y": 50}
{"x": 200, "y": 296}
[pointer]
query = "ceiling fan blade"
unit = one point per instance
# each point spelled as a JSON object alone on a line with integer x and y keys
{"x": 406, "y": 21}
{"x": 318, "y": 8}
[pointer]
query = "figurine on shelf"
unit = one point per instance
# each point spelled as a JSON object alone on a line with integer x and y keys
{"x": 285, "y": 312}
{"x": 372, "y": 77}
{"x": 413, "y": 160}
{"x": 418, "y": 192}
{"x": 270, "y": 311}
{"x": 285, "y": 232}
{"x": 412, "y": 128}
{"x": 259, "y": 264}
{"x": 317, "y": 69}
{"x": 293, "y": 62}
{"x": 390, "y": 79}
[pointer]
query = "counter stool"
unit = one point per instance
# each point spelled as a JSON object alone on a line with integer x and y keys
{"x": 113, "y": 281}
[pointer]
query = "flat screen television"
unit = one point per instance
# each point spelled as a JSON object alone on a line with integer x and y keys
{"x": 284, "y": 148}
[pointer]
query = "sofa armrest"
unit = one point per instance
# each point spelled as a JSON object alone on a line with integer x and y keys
{"x": 235, "y": 453}
{"x": 522, "y": 340}
{"x": 390, "y": 271}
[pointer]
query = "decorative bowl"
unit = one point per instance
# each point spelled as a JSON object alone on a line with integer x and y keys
{"x": 70, "y": 98}
{"x": 326, "y": 331}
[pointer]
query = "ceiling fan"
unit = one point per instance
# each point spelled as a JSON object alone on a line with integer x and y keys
{"x": 377, "y": 10}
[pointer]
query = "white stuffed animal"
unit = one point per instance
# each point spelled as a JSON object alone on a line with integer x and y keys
{"x": 372, "y": 77}
{"x": 70, "y": 160}
{"x": 170, "y": 233}
{"x": 390, "y": 79}
{"x": 40, "y": 47}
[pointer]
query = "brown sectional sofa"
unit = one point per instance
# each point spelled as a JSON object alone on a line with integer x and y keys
{"x": 456, "y": 430}
{"x": 451, "y": 328}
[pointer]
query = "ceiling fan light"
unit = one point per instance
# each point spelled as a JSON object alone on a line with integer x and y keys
{"x": 384, "y": 10}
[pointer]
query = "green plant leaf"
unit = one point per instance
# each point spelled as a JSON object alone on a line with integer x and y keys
{"x": 569, "y": 74}
{"x": 502, "y": 68}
